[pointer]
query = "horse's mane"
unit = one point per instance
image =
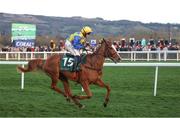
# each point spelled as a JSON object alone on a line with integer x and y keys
{"x": 98, "y": 48}
{"x": 96, "y": 51}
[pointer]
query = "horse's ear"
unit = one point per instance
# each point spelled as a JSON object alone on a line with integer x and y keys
{"x": 104, "y": 39}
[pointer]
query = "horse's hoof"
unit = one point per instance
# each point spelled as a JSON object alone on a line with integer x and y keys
{"x": 74, "y": 96}
{"x": 105, "y": 105}
{"x": 82, "y": 106}
{"x": 68, "y": 99}
{"x": 18, "y": 71}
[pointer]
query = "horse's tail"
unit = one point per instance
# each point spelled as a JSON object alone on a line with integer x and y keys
{"x": 32, "y": 65}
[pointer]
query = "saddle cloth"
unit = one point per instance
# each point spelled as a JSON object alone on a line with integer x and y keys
{"x": 70, "y": 63}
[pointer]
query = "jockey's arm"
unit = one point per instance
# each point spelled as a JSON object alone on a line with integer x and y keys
{"x": 77, "y": 43}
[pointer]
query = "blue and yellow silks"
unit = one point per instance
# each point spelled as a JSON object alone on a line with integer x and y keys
{"x": 77, "y": 40}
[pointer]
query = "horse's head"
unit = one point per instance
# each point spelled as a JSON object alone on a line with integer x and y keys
{"x": 110, "y": 51}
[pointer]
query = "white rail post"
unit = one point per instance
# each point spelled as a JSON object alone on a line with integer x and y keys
{"x": 45, "y": 55}
{"x": 26, "y": 56}
{"x": 155, "y": 81}
{"x": 159, "y": 55}
{"x": 165, "y": 55}
{"x": 131, "y": 56}
{"x": 19, "y": 56}
{"x": 148, "y": 56}
{"x": 22, "y": 79}
{"x": 7, "y": 56}
{"x": 31, "y": 55}
{"x": 134, "y": 56}
{"x": 177, "y": 56}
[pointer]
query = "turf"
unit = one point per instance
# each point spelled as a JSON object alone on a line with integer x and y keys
{"x": 131, "y": 94}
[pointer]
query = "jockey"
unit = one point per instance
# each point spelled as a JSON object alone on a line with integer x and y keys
{"x": 76, "y": 41}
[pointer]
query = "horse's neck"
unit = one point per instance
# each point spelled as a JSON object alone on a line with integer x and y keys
{"x": 98, "y": 61}
{"x": 97, "y": 58}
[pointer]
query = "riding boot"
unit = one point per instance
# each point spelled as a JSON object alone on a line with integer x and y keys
{"x": 77, "y": 63}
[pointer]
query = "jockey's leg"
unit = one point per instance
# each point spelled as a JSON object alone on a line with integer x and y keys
{"x": 69, "y": 47}
{"x": 77, "y": 59}
{"x": 77, "y": 62}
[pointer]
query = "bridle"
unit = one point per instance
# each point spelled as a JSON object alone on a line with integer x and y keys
{"x": 107, "y": 53}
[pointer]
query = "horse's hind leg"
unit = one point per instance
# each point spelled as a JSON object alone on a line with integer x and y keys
{"x": 67, "y": 89}
{"x": 69, "y": 93}
{"x": 100, "y": 83}
{"x": 54, "y": 87}
{"x": 54, "y": 75}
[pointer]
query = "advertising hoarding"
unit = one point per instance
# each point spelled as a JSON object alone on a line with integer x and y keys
{"x": 23, "y": 35}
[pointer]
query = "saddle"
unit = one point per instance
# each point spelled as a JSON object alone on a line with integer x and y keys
{"x": 72, "y": 63}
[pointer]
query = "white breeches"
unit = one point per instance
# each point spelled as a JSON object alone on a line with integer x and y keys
{"x": 69, "y": 47}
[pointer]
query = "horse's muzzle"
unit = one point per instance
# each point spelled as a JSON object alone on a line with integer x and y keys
{"x": 116, "y": 60}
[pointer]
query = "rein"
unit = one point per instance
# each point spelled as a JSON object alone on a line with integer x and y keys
{"x": 91, "y": 65}
{"x": 104, "y": 54}
{"x": 108, "y": 52}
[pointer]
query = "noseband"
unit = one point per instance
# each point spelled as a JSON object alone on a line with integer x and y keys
{"x": 107, "y": 53}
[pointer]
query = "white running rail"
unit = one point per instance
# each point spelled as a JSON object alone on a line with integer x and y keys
{"x": 156, "y": 65}
{"x": 126, "y": 55}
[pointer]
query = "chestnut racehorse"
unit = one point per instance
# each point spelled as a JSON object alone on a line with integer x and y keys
{"x": 90, "y": 73}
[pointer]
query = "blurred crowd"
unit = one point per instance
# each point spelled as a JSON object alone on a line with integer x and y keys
{"x": 122, "y": 45}
{"x": 52, "y": 47}
{"x": 145, "y": 45}
{"x": 45, "y": 48}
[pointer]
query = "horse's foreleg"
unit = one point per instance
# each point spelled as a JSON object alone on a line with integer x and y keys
{"x": 100, "y": 83}
{"x": 88, "y": 95}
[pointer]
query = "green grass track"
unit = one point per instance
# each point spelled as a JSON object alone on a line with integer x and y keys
{"x": 131, "y": 94}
